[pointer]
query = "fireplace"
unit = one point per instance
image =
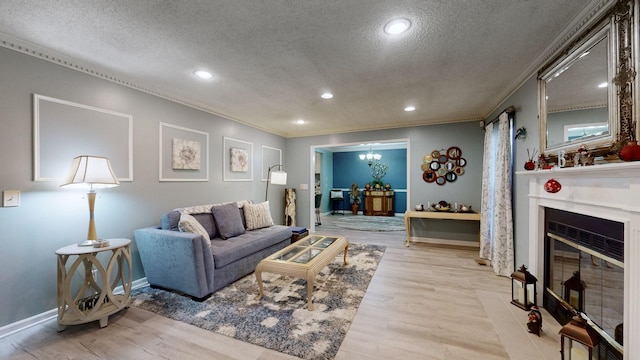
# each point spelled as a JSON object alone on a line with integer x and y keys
{"x": 596, "y": 197}
{"x": 584, "y": 272}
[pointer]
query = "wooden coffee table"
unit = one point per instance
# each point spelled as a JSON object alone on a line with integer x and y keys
{"x": 304, "y": 258}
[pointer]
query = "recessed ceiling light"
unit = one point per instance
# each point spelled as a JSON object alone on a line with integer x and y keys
{"x": 397, "y": 26}
{"x": 410, "y": 108}
{"x": 603, "y": 85}
{"x": 203, "y": 74}
{"x": 300, "y": 121}
{"x": 327, "y": 95}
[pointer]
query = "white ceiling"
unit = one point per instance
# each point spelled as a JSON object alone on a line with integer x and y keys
{"x": 273, "y": 58}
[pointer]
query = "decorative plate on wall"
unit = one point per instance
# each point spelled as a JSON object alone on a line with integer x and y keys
{"x": 429, "y": 176}
{"x": 454, "y": 153}
{"x": 442, "y": 166}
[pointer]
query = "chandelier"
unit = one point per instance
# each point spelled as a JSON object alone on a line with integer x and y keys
{"x": 370, "y": 156}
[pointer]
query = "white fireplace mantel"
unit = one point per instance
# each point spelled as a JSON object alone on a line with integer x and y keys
{"x": 608, "y": 191}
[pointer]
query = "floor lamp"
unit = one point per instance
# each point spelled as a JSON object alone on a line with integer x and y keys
{"x": 94, "y": 172}
{"x": 276, "y": 178}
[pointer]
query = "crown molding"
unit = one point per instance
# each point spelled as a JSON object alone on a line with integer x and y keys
{"x": 31, "y": 49}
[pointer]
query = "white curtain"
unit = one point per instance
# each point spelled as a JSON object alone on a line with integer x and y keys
{"x": 496, "y": 226}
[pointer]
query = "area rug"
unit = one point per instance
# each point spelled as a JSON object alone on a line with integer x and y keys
{"x": 371, "y": 223}
{"x": 280, "y": 320}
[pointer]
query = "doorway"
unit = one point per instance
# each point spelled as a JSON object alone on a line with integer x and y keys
{"x": 322, "y": 171}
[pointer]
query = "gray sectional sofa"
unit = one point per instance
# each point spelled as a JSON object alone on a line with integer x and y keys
{"x": 198, "y": 250}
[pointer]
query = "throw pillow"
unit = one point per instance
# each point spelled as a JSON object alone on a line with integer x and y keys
{"x": 189, "y": 224}
{"x": 228, "y": 220}
{"x": 170, "y": 220}
{"x": 257, "y": 215}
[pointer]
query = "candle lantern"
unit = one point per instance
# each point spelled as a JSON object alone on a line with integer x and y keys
{"x": 523, "y": 288}
{"x": 573, "y": 291}
{"x": 578, "y": 330}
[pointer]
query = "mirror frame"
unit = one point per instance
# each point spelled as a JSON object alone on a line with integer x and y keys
{"x": 602, "y": 33}
{"x": 618, "y": 28}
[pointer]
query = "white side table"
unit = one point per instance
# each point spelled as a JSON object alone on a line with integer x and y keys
{"x": 93, "y": 298}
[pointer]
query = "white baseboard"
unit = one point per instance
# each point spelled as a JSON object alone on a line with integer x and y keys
{"x": 53, "y": 313}
{"x": 470, "y": 244}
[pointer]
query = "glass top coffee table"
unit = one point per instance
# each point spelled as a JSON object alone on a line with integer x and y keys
{"x": 304, "y": 258}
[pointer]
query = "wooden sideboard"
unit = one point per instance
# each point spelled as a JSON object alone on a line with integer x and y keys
{"x": 378, "y": 202}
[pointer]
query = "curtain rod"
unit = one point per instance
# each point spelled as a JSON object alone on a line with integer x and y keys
{"x": 509, "y": 110}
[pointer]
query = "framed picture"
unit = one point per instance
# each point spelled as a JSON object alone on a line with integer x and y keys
{"x": 63, "y": 130}
{"x": 237, "y": 158}
{"x": 184, "y": 154}
{"x": 270, "y": 156}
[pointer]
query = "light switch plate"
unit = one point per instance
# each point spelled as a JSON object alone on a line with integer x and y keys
{"x": 11, "y": 198}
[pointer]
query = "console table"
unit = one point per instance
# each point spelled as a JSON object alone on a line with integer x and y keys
{"x": 95, "y": 299}
{"x": 443, "y": 215}
{"x": 378, "y": 202}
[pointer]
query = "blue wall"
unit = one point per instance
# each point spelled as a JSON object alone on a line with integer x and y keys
{"x": 349, "y": 169}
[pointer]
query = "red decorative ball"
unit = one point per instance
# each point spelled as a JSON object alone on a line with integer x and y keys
{"x": 630, "y": 152}
{"x": 552, "y": 186}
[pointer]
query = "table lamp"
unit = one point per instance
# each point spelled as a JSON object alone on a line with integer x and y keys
{"x": 93, "y": 172}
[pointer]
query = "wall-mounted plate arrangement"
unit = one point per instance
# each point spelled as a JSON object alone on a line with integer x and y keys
{"x": 442, "y": 166}
{"x": 429, "y": 176}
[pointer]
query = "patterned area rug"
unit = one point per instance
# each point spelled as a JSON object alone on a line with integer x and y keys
{"x": 280, "y": 321}
{"x": 371, "y": 223}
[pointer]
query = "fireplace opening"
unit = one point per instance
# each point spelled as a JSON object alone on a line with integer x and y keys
{"x": 584, "y": 272}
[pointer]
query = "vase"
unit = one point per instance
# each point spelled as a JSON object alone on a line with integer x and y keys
{"x": 630, "y": 152}
{"x": 529, "y": 165}
{"x": 354, "y": 209}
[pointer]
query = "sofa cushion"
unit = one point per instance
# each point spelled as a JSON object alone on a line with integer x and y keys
{"x": 228, "y": 220}
{"x": 170, "y": 220}
{"x": 227, "y": 251}
{"x": 207, "y": 222}
{"x": 189, "y": 224}
{"x": 257, "y": 216}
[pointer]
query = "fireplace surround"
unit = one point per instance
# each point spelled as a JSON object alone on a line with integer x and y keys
{"x": 610, "y": 192}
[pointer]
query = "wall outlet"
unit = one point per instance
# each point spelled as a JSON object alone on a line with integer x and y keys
{"x": 11, "y": 198}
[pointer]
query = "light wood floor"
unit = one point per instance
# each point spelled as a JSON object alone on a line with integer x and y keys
{"x": 424, "y": 302}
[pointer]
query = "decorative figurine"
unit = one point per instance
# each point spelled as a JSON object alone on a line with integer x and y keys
{"x": 535, "y": 321}
{"x": 582, "y": 157}
{"x": 543, "y": 162}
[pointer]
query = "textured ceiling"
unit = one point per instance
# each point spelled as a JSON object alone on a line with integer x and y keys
{"x": 273, "y": 58}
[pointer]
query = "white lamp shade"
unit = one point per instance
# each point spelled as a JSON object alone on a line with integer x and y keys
{"x": 279, "y": 178}
{"x": 94, "y": 171}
